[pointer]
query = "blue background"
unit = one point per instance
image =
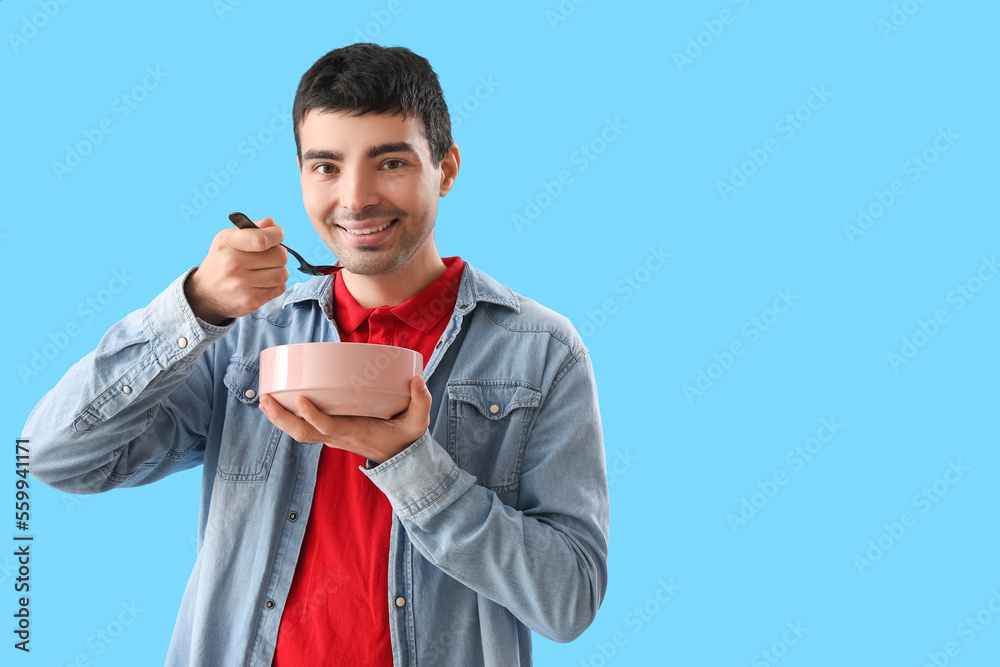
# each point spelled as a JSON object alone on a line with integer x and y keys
{"x": 692, "y": 582}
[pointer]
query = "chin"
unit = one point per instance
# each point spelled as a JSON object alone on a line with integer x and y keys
{"x": 367, "y": 262}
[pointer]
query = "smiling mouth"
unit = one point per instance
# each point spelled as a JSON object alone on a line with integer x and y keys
{"x": 369, "y": 230}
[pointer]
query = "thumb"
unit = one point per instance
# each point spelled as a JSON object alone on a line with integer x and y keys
{"x": 420, "y": 396}
{"x": 276, "y": 234}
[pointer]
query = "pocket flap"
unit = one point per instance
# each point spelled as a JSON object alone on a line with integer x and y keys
{"x": 495, "y": 399}
{"x": 242, "y": 380}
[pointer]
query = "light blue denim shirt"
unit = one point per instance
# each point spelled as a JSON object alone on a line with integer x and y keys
{"x": 500, "y": 510}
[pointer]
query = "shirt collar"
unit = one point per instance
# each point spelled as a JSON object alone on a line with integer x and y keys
{"x": 476, "y": 286}
{"x": 419, "y": 311}
{"x": 348, "y": 314}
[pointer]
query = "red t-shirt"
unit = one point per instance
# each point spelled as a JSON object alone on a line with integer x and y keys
{"x": 337, "y": 612}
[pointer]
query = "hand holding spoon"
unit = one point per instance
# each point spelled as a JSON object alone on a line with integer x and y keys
{"x": 243, "y": 222}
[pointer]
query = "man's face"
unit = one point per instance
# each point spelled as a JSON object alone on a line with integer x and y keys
{"x": 370, "y": 188}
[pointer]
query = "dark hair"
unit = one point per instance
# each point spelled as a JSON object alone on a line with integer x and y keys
{"x": 368, "y": 78}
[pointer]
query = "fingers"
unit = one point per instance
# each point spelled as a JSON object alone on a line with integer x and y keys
{"x": 243, "y": 270}
{"x": 323, "y": 424}
{"x": 371, "y": 437}
{"x": 261, "y": 259}
{"x": 313, "y": 425}
{"x": 269, "y": 235}
{"x": 267, "y": 278}
{"x": 299, "y": 429}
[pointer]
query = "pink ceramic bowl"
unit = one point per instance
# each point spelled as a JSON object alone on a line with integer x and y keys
{"x": 340, "y": 378}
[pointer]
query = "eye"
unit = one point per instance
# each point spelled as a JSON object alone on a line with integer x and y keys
{"x": 325, "y": 168}
{"x": 393, "y": 164}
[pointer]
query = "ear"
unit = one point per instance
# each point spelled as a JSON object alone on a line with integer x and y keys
{"x": 449, "y": 170}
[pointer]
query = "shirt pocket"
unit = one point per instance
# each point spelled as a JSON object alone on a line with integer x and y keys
{"x": 249, "y": 440}
{"x": 488, "y": 426}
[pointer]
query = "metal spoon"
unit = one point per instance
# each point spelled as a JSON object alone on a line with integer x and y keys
{"x": 243, "y": 222}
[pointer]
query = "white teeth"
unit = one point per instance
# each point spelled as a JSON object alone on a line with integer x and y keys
{"x": 370, "y": 230}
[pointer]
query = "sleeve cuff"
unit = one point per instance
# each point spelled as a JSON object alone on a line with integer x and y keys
{"x": 420, "y": 476}
{"x": 174, "y": 330}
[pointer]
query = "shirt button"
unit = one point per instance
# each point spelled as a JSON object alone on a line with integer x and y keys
{"x": 494, "y": 409}
{"x": 182, "y": 342}
{"x": 294, "y": 516}
{"x": 269, "y": 604}
{"x": 400, "y": 601}
{"x": 127, "y": 389}
{"x": 439, "y": 344}
{"x": 250, "y": 393}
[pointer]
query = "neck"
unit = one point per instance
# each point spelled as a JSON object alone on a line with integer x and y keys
{"x": 392, "y": 289}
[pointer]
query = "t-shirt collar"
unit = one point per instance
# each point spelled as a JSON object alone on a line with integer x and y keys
{"x": 422, "y": 311}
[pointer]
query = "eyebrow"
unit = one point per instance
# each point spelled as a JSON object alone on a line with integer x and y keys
{"x": 395, "y": 147}
{"x": 371, "y": 153}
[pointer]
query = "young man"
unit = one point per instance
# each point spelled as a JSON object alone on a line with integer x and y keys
{"x": 442, "y": 536}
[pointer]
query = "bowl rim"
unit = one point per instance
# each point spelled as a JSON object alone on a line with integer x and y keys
{"x": 342, "y": 342}
{"x": 300, "y": 390}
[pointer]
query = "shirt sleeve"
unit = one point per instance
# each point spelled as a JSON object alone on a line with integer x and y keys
{"x": 545, "y": 562}
{"x": 135, "y": 409}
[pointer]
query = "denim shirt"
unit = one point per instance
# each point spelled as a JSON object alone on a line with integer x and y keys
{"x": 500, "y": 509}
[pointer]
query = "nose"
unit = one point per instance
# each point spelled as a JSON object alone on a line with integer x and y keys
{"x": 357, "y": 191}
